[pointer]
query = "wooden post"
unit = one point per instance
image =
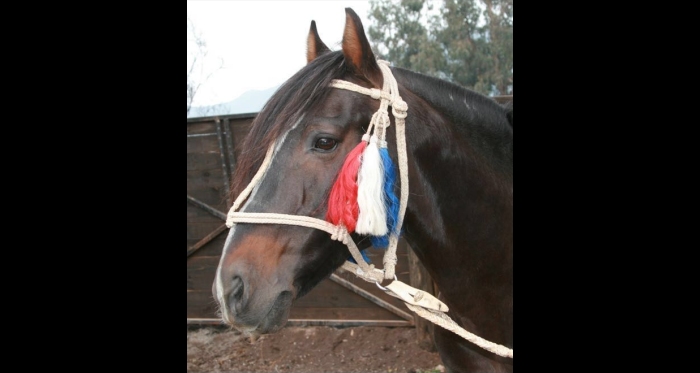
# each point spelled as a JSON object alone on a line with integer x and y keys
{"x": 420, "y": 279}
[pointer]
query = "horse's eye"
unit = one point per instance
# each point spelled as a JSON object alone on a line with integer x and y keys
{"x": 325, "y": 144}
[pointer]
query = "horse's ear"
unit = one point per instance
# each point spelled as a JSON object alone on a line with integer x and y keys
{"x": 314, "y": 45}
{"x": 357, "y": 51}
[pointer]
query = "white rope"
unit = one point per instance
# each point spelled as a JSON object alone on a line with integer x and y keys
{"x": 441, "y": 319}
{"x": 389, "y": 96}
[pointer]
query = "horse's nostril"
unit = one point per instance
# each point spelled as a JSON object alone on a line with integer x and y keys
{"x": 236, "y": 289}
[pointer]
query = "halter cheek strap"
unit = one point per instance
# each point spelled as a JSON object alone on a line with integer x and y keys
{"x": 423, "y": 304}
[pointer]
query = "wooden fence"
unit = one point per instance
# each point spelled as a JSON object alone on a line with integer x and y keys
{"x": 213, "y": 145}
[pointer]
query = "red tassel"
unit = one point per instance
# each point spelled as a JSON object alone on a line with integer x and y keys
{"x": 342, "y": 203}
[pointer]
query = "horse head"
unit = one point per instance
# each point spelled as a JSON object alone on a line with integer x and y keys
{"x": 310, "y": 128}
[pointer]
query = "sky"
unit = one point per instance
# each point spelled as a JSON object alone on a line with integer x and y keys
{"x": 256, "y": 45}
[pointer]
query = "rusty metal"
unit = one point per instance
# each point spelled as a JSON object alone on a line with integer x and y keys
{"x": 206, "y": 207}
{"x": 191, "y": 250}
{"x": 372, "y": 298}
{"x": 201, "y": 134}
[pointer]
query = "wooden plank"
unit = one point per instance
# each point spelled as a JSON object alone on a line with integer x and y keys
{"x": 201, "y": 271}
{"x": 197, "y": 144}
{"x": 201, "y": 127}
{"x": 206, "y": 239}
{"x": 240, "y": 131}
{"x": 205, "y": 178}
{"x": 224, "y": 166}
{"x": 343, "y": 313}
{"x": 203, "y": 162}
{"x": 230, "y": 144}
{"x": 201, "y": 304}
{"x": 314, "y": 322}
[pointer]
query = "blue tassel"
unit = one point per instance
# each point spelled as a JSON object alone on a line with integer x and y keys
{"x": 364, "y": 256}
{"x": 391, "y": 202}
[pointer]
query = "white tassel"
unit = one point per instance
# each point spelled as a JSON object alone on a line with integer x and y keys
{"x": 370, "y": 188}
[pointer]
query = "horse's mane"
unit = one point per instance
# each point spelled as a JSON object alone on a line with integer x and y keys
{"x": 460, "y": 104}
{"x": 300, "y": 94}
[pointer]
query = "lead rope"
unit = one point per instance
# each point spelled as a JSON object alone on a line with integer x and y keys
{"x": 423, "y": 304}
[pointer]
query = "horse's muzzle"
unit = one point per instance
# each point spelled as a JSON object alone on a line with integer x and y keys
{"x": 263, "y": 311}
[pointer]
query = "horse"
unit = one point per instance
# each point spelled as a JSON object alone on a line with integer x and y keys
{"x": 457, "y": 160}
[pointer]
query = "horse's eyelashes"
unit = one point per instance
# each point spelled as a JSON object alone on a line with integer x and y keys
{"x": 325, "y": 144}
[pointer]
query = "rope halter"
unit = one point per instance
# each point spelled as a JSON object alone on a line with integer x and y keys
{"x": 423, "y": 304}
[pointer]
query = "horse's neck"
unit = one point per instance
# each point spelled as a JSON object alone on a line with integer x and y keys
{"x": 459, "y": 217}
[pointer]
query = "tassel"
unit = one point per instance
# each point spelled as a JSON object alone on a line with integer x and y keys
{"x": 391, "y": 201}
{"x": 364, "y": 256}
{"x": 342, "y": 202}
{"x": 370, "y": 192}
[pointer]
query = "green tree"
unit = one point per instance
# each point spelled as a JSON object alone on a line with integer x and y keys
{"x": 468, "y": 42}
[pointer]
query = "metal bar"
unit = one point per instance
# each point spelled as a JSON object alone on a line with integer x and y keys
{"x": 371, "y": 297}
{"x": 231, "y": 116}
{"x": 206, "y": 207}
{"x": 201, "y": 134}
{"x": 314, "y": 322}
{"x": 224, "y": 163}
{"x": 206, "y": 239}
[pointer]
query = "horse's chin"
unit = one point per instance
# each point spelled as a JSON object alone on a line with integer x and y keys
{"x": 275, "y": 318}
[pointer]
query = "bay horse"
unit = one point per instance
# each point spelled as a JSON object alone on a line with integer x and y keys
{"x": 457, "y": 162}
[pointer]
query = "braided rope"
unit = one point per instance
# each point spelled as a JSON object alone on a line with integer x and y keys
{"x": 441, "y": 319}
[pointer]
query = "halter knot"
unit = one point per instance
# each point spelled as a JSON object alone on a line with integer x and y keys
{"x": 399, "y": 108}
{"x": 375, "y": 93}
{"x": 340, "y": 234}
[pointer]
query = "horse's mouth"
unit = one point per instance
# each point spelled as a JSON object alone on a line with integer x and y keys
{"x": 278, "y": 314}
{"x": 275, "y": 318}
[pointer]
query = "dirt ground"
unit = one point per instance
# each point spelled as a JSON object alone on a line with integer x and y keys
{"x": 309, "y": 350}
